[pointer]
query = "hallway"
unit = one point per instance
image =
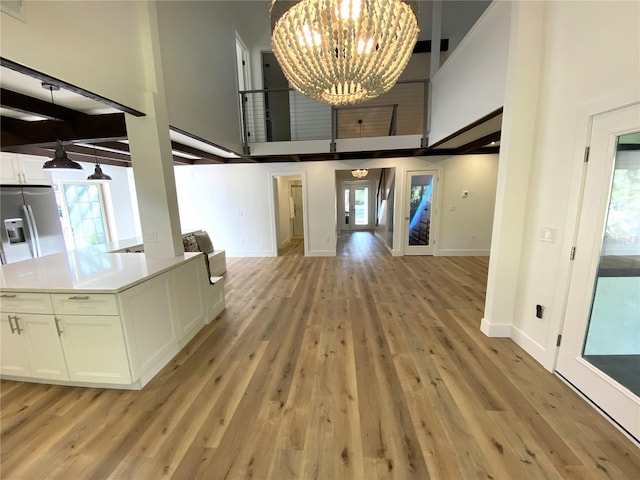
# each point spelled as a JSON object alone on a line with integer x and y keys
{"x": 360, "y": 244}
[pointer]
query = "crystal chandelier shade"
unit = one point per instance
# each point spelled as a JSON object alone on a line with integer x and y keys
{"x": 360, "y": 173}
{"x": 342, "y": 52}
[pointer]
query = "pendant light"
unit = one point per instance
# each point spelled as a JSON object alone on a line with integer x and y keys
{"x": 98, "y": 174}
{"x": 360, "y": 173}
{"x": 60, "y": 159}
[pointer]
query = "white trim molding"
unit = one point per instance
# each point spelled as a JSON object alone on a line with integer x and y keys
{"x": 496, "y": 330}
{"x": 453, "y": 252}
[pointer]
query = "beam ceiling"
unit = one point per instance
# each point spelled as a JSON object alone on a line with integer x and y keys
{"x": 107, "y": 131}
{"x": 70, "y": 126}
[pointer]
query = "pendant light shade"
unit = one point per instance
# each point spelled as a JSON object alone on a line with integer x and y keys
{"x": 60, "y": 160}
{"x": 98, "y": 174}
{"x": 360, "y": 173}
{"x": 343, "y": 51}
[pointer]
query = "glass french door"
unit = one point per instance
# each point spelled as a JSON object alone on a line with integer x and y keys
{"x": 600, "y": 349}
{"x": 419, "y": 218}
{"x": 356, "y": 206}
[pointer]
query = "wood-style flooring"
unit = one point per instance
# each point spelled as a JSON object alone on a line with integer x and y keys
{"x": 362, "y": 366}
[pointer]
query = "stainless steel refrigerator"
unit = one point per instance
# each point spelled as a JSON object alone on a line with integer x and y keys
{"x": 30, "y": 223}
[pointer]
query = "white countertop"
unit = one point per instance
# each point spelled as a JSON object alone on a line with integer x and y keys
{"x": 89, "y": 270}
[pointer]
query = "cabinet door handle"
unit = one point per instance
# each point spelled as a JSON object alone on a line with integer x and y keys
{"x": 60, "y": 331}
{"x": 76, "y": 297}
{"x": 6, "y": 295}
{"x": 13, "y": 330}
{"x": 18, "y": 329}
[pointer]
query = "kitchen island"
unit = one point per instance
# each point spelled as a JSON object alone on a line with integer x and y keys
{"x": 92, "y": 318}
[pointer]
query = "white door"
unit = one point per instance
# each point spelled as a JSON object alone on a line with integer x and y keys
{"x": 356, "y": 206}
{"x": 420, "y": 212}
{"x": 600, "y": 347}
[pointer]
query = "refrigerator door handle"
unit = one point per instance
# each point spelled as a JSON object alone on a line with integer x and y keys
{"x": 34, "y": 240}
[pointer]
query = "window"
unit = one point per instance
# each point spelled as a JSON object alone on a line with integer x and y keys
{"x": 83, "y": 215}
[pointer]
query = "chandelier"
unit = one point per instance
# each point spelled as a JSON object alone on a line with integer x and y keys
{"x": 360, "y": 173}
{"x": 343, "y": 51}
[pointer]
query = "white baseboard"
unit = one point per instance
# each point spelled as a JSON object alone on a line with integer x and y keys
{"x": 529, "y": 345}
{"x": 498, "y": 330}
{"x": 453, "y": 252}
{"x": 321, "y": 253}
{"x": 396, "y": 253}
{"x": 524, "y": 341}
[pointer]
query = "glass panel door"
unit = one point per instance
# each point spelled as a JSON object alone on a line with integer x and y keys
{"x": 600, "y": 349}
{"x": 420, "y": 198}
{"x": 612, "y": 343}
{"x": 356, "y": 206}
{"x": 361, "y": 206}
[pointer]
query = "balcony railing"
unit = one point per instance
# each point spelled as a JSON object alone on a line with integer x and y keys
{"x": 283, "y": 115}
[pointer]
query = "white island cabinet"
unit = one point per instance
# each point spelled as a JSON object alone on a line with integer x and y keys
{"x": 101, "y": 319}
{"x": 29, "y": 342}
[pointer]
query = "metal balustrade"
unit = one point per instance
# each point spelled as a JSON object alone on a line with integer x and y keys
{"x": 283, "y": 115}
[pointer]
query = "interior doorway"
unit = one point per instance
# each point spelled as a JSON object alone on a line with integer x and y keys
{"x": 600, "y": 348}
{"x": 356, "y": 205}
{"x": 365, "y": 205}
{"x": 243, "y": 77}
{"x": 420, "y": 217}
{"x": 277, "y": 115}
{"x": 289, "y": 217}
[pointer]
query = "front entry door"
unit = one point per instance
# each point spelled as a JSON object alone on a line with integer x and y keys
{"x": 419, "y": 217}
{"x": 600, "y": 347}
{"x": 356, "y": 206}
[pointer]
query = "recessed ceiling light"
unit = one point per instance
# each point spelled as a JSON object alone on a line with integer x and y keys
{"x": 104, "y": 149}
{"x": 185, "y": 155}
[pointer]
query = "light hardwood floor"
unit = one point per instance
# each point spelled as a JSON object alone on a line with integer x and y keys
{"x": 362, "y": 366}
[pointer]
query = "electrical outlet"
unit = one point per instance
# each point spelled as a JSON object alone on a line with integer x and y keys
{"x": 548, "y": 235}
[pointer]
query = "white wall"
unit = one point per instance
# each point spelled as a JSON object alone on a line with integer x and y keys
{"x": 94, "y": 45}
{"x": 198, "y": 54}
{"x": 231, "y": 201}
{"x": 458, "y": 17}
{"x": 466, "y": 223}
{"x": 471, "y": 83}
{"x": 384, "y": 229}
{"x": 590, "y": 63}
